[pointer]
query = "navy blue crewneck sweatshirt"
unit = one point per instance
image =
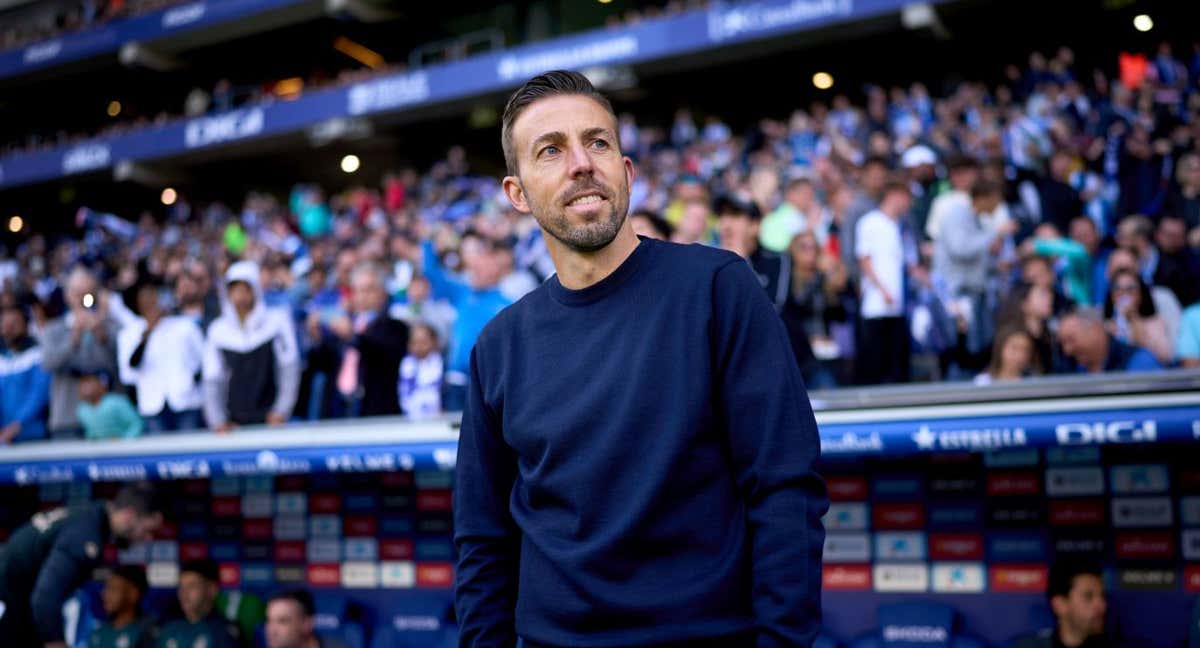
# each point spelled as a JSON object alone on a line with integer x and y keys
{"x": 635, "y": 465}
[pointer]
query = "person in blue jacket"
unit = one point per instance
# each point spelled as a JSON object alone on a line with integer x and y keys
{"x": 636, "y": 457}
{"x": 24, "y": 384}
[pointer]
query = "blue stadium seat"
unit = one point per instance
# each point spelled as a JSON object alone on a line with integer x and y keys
{"x": 338, "y": 616}
{"x": 917, "y": 624}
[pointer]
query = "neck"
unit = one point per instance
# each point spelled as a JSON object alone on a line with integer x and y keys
{"x": 124, "y": 618}
{"x": 577, "y": 270}
{"x": 242, "y": 315}
{"x": 198, "y": 617}
{"x": 1007, "y": 373}
{"x": 1071, "y": 637}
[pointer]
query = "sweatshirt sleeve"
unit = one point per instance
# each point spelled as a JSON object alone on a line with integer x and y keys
{"x": 485, "y": 593}
{"x": 444, "y": 285}
{"x": 287, "y": 367}
{"x": 216, "y": 383}
{"x": 773, "y": 441}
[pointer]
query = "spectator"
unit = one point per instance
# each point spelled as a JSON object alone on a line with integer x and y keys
{"x": 1135, "y": 233}
{"x": 291, "y": 623}
{"x": 82, "y": 341}
{"x": 1038, "y": 270}
{"x": 1031, "y": 308}
{"x": 122, "y": 596}
{"x": 1060, "y": 201}
{"x": 105, "y": 414}
{"x": 1090, "y": 348}
{"x": 201, "y": 624}
{"x": 693, "y": 226}
{"x": 1184, "y": 202}
{"x": 883, "y": 340}
{"x": 1132, "y": 319}
{"x": 24, "y": 384}
{"x": 872, "y": 177}
{"x": 1014, "y": 357}
{"x": 920, "y": 165}
{"x": 1072, "y": 257}
{"x": 799, "y": 212}
{"x": 1178, "y": 265}
{"x": 820, "y": 292}
{"x": 1084, "y": 232}
{"x": 251, "y": 363}
{"x": 420, "y": 385}
{"x": 420, "y": 307}
{"x": 966, "y": 244}
{"x": 738, "y": 225}
{"x": 964, "y": 173}
{"x": 477, "y": 300}
{"x": 1187, "y": 345}
{"x": 162, "y": 356}
{"x": 1165, "y": 303}
{"x": 375, "y": 345}
{"x": 650, "y": 225}
{"x": 1075, "y": 592}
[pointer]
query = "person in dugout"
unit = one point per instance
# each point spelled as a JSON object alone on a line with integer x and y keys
{"x": 49, "y": 557}
{"x": 201, "y": 625}
{"x": 126, "y": 627}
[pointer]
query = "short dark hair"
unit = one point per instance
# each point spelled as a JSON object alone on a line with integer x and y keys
{"x": 549, "y": 84}
{"x": 896, "y": 186}
{"x": 134, "y": 575}
{"x": 961, "y": 163}
{"x": 206, "y": 568}
{"x": 142, "y": 497}
{"x": 659, "y": 223}
{"x": 1063, "y": 574}
{"x": 300, "y": 597}
{"x": 983, "y": 188}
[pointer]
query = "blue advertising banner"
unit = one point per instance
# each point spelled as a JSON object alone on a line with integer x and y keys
{"x": 110, "y": 37}
{"x": 673, "y": 36}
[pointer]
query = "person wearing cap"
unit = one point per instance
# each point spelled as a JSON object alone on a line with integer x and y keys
{"x": 201, "y": 624}
{"x": 920, "y": 164}
{"x": 738, "y": 225}
{"x": 122, "y": 596}
{"x": 105, "y": 414}
{"x": 24, "y": 383}
{"x": 251, "y": 363}
{"x": 49, "y": 557}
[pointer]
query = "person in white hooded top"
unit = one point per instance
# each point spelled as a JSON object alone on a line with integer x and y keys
{"x": 251, "y": 361}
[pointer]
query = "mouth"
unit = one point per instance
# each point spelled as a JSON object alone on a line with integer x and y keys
{"x": 586, "y": 200}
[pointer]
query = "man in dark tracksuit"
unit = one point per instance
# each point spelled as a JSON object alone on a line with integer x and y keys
{"x": 55, "y": 552}
{"x": 202, "y": 626}
{"x": 122, "y": 596}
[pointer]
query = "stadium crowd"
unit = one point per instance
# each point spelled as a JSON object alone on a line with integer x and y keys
{"x": 1049, "y": 224}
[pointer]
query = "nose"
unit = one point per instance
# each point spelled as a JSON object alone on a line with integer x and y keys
{"x": 580, "y": 161}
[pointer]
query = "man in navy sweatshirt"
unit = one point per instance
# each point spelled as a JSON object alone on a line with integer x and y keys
{"x": 635, "y": 466}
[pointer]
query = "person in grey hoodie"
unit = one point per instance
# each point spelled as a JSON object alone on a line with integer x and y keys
{"x": 251, "y": 362}
{"x": 82, "y": 341}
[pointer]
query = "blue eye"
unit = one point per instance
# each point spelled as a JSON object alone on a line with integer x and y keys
{"x": 550, "y": 150}
{"x": 600, "y": 143}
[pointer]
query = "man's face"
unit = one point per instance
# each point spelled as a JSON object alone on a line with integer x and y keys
{"x": 287, "y": 627}
{"x": 241, "y": 296}
{"x": 118, "y": 596}
{"x": 196, "y": 595}
{"x": 418, "y": 290}
{"x": 131, "y": 527}
{"x": 1084, "y": 231}
{"x": 421, "y": 342}
{"x": 874, "y": 176}
{"x": 738, "y": 232}
{"x": 1082, "y": 341}
{"x": 572, "y": 176}
{"x": 368, "y": 295}
{"x": 1083, "y": 609}
{"x": 147, "y": 303}
{"x": 1171, "y": 236}
{"x": 12, "y": 324}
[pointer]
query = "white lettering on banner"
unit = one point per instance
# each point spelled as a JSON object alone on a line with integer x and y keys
{"x": 1191, "y": 544}
{"x": 389, "y": 93}
{"x": 851, "y": 443}
{"x": 417, "y": 623}
{"x": 162, "y": 574}
{"x": 958, "y": 577}
{"x": 445, "y": 458}
{"x": 846, "y": 548}
{"x": 1189, "y": 510}
{"x": 118, "y": 472}
{"x": 1141, "y": 512}
{"x": 230, "y": 126}
{"x": 370, "y": 462}
{"x": 1100, "y": 432}
{"x": 901, "y": 578}
{"x": 51, "y": 475}
{"x": 846, "y": 516}
{"x": 266, "y": 462}
{"x": 1074, "y": 481}
{"x": 724, "y": 24}
{"x": 982, "y": 439}
{"x": 604, "y": 51}
{"x": 86, "y": 158}
{"x": 1140, "y": 479}
{"x": 183, "y": 15}
{"x": 183, "y": 469}
{"x": 42, "y": 51}
{"x": 915, "y": 634}
{"x": 360, "y": 574}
